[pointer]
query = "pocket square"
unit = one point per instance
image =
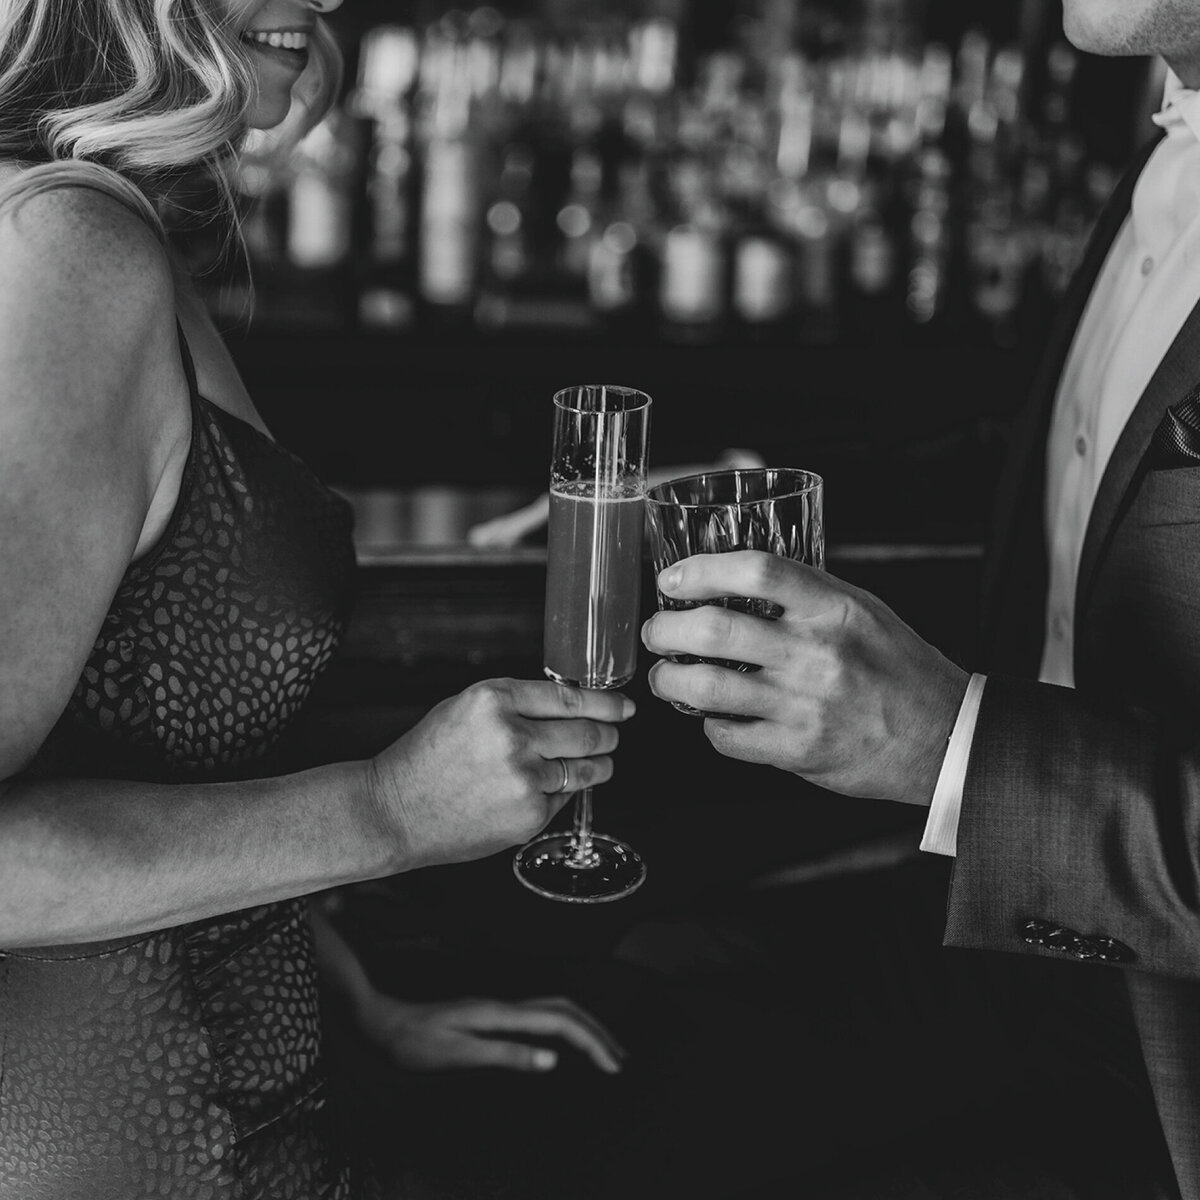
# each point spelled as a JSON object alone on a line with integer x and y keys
{"x": 1176, "y": 441}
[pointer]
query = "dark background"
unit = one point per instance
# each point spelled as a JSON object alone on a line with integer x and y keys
{"x": 908, "y": 427}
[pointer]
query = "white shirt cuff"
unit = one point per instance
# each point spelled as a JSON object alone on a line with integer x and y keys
{"x": 941, "y": 826}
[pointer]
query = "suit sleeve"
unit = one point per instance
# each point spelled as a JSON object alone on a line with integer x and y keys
{"x": 1079, "y": 834}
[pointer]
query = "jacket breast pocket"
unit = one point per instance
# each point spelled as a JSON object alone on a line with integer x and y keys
{"x": 1170, "y": 496}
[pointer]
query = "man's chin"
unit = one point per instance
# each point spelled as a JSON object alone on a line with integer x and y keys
{"x": 1091, "y": 31}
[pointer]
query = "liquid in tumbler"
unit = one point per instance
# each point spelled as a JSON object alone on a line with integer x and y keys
{"x": 593, "y": 584}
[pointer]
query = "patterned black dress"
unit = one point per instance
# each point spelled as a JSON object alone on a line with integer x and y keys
{"x": 187, "y": 1062}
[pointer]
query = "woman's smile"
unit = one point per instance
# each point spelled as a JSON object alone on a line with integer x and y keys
{"x": 286, "y": 47}
{"x": 279, "y": 39}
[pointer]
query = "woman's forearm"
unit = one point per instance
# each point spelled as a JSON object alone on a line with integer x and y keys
{"x": 88, "y": 860}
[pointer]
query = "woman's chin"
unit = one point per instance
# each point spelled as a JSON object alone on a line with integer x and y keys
{"x": 269, "y": 111}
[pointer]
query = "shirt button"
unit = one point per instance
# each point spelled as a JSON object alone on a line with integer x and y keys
{"x": 1081, "y": 445}
{"x": 1147, "y": 265}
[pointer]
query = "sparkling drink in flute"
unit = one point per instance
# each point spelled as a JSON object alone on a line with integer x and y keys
{"x": 593, "y": 583}
{"x": 593, "y": 602}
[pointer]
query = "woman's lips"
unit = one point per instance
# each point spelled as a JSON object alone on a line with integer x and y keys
{"x": 294, "y": 57}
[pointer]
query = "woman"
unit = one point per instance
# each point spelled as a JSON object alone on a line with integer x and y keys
{"x": 172, "y": 584}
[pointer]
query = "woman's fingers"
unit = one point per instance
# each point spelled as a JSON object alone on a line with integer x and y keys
{"x": 572, "y": 739}
{"x": 475, "y": 1032}
{"x": 583, "y": 1017}
{"x": 544, "y": 700}
{"x": 543, "y": 1019}
{"x": 575, "y": 753}
{"x": 566, "y": 776}
{"x": 468, "y": 1051}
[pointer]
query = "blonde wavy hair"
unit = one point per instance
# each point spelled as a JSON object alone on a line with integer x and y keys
{"x": 132, "y": 97}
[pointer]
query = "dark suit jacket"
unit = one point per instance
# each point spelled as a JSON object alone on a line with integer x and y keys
{"x": 1081, "y": 810}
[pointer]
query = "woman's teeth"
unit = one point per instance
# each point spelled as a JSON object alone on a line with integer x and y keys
{"x": 284, "y": 41}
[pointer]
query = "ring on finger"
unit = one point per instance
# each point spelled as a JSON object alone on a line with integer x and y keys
{"x": 566, "y": 779}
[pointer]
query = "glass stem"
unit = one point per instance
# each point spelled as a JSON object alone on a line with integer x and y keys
{"x": 583, "y": 853}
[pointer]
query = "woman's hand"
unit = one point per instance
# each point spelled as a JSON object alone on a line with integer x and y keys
{"x": 484, "y": 770}
{"x": 484, "y": 1033}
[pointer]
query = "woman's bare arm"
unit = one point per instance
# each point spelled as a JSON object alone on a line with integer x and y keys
{"x": 464, "y": 1032}
{"x": 94, "y": 423}
{"x": 84, "y": 860}
{"x": 93, "y": 415}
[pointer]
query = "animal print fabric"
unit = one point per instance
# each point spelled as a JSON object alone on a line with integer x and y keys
{"x": 187, "y": 1063}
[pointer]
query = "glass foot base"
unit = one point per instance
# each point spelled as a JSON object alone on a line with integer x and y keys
{"x": 546, "y": 866}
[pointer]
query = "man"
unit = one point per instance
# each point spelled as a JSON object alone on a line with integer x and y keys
{"x": 1064, "y": 781}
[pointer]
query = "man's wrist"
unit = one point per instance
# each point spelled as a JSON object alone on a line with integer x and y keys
{"x": 941, "y": 731}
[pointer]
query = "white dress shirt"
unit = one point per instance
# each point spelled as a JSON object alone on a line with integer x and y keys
{"x": 1149, "y": 284}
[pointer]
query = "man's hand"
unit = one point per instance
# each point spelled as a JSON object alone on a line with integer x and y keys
{"x": 848, "y": 696}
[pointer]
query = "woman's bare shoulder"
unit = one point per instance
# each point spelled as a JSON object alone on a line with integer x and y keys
{"x": 87, "y": 314}
{"x": 93, "y": 407}
{"x": 81, "y": 261}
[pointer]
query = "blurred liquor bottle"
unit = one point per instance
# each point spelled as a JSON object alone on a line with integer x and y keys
{"x": 451, "y": 186}
{"x": 694, "y": 277}
{"x": 507, "y": 161}
{"x": 931, "y": 213}
{"x": 797, "y": 201}
{"x": 383, "y": 101}
{"x": 510, "y": 247}
{"x": 873, "y": 292}
{"x": 927, "y": 285}
{"x": 322, "y": 195}
{"x": 623, "y": 262}
{"x": 634, "y": 141}
{"x": 817, "y": 175}
{"x": 763, "y": 263}
{"x": 693, "y": 281}
{"x": 999, "y": 246}
{"x": 579, "y": 219}
{"x": 546, "y": 197}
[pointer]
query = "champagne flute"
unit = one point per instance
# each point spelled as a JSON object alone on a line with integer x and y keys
{"x": 593, "y": 605}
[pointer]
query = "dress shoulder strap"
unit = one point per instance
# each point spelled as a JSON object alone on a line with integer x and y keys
{"x": 189, "y": 365}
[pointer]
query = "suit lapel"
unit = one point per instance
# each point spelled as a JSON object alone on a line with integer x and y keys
{"x": 1018, "y": 523}
{"x": 1176, "y": 375}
